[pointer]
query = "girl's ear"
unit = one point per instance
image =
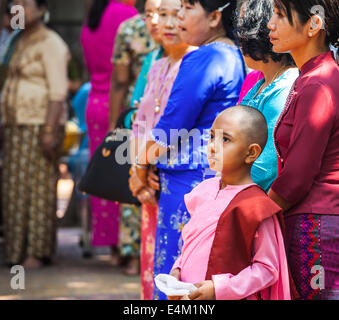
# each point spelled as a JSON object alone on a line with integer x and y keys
{"x": 214, "y": 19}
{"x": 315, "y": 25}
{"x": 254, "y": 151}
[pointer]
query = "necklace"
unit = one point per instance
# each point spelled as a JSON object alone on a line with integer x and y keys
{"x": 219, "y": 37}
{"x": 158, "y": 95}
{"x": 213, "y": 39}
{"x": 274, "y": 78}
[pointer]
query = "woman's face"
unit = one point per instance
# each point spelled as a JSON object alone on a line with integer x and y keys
{"x": 152, "y": 18}
{"x": 33, "y": 13}
{"x": 194, "y": 23}
{"x": 284, "y": 36}
{"x": 169, "y": 21}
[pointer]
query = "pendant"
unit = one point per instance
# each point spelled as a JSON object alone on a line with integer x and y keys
{"x": 157, "y": 106}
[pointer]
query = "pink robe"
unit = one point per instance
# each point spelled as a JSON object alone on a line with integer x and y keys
{"x": 98, "y": 48}
{"x": 268, "y": 272}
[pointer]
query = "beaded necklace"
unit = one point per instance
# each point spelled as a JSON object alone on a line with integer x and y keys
{"x": 158, "y": 95}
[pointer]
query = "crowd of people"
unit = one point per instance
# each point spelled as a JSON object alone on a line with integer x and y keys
{"x": 234, "y": 145}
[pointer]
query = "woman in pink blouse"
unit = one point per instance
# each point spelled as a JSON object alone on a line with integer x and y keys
{"x": 307, "y": 141}
{"x": 159, "y": 84}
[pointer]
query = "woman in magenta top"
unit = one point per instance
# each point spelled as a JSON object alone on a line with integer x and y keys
{"x": 307, "y": 141}
{"x": 97, "y": 39}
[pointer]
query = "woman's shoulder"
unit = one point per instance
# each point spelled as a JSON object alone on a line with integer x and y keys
{"x": 156, "y": 67}
{"x": 53, "y": 38}
{"x": 216, "y": 55}
{"x": 132, "y": 25}
{"x": 283, "y": 84}
{"x": 216, "y": 49}
{"x": 117, "y": 7}
{"x": 289, "y": 75}
{"x": 275, "y": 94}
{"x": 159, "y": 63}
{"x": 326, "y": 76}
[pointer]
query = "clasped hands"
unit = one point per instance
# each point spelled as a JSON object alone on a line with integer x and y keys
{"x": 206, "y": 290}
{"x": 143, "y": 184}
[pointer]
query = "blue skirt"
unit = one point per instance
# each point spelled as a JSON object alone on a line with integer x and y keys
{"x": 172, "y": 217}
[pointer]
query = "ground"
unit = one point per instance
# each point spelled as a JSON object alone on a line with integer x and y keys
{"x": 72, "y": 277}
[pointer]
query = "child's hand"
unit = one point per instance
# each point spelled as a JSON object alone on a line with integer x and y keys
{"x": 205, "y": 291}
{"x": 175, "y": 273}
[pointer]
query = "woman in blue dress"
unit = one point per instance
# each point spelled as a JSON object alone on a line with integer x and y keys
{"x": 208, "y": 82}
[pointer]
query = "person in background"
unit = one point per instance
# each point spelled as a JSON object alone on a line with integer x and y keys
{"x": 253, "y": 76}
{"x": 151, "y": 20}
{"x": 269, "y": 94}
{"x": 6, "y": 29}
{"x": 307, "y": 141}
{"x": 133, "y": 43}
{"x": 97, "y": 40}
{"x": 34, "y": 114}
{"x": 148, "y": 212}
{"x": 8, "y": 40}
{"x": 209, "y": 81}
{"x": 159, "y": 84}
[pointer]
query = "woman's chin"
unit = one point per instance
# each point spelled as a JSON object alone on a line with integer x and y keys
{"x": 277, "y": 49}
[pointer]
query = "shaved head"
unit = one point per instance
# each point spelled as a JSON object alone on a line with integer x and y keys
{"x": 250, "y": 122}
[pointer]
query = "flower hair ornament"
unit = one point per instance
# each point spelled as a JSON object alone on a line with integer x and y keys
{"x": 221, "y": 9}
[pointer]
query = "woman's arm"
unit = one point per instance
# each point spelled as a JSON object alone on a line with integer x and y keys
{"x": 55, "y": 58}
{"x": 147, "y": 156}
{"x": 49, "y": 137}
{"x": 314, "y": 115}
{"x": 282, "y": 203}
{"x": 119, "y": 87}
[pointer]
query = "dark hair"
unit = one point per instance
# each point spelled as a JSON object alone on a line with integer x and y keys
{"x": 95, "y": 13}
{"x": 8, "y": 8}
{"x": 253, "y": 34}
{"x": 227, "y": 13}
{"x": 304, "y": 11}
{"x": 140, "y": 5}
{"x": 41, "y": 3}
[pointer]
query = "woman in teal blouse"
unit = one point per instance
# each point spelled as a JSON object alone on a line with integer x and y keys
{"x": 269, "y": 94}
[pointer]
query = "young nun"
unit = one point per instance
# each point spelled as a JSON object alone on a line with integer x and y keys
{"x": 233, "y": 245}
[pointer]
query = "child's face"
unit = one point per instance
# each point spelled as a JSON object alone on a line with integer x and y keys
{"x": 228, "y": 147}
